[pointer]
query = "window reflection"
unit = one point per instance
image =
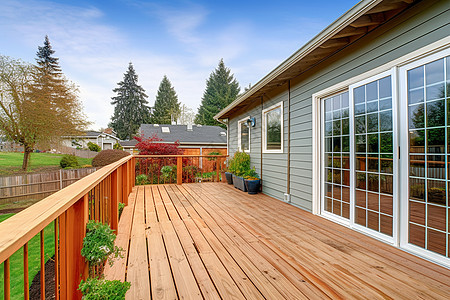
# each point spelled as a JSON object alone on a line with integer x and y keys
{"x": 273, "y": 123}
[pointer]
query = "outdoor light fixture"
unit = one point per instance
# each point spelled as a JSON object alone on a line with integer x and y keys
{"x": 251, "y": 122}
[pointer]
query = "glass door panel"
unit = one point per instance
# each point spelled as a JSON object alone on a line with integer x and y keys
{"x": 336, "y": 159}
{"x": 428, "y": 99}
{"x": 374, "y": 156}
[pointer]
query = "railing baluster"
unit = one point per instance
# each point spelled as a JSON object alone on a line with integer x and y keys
{"x": 42, "y": 265}
{"x": 217, "y": 169}
{"x": 26, "y": 284}
{"x": 56, "y": 260}
{"x": 6, "y": 278}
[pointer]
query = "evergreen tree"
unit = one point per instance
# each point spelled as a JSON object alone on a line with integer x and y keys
{"x": 221, "y": 89}
{"x": 167, "y": 107}
{"x": 131, "y": 108}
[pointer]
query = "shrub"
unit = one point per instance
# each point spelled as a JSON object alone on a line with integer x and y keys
{"x": 121, "y": 207}
{"x": 100, "y": 289}
{"x": 94, "y": 147}
{"x": 213, "y": 153}
{"x": 168, "y": 173}
{"x": 107, "y": 157}
{"x": 141, "y": 179}
{"x": 86, "y": 166}
{"x": 117, "y": 146}
{"x": 239, "y": 164}
{"x": 98, "y": 246}
{"x": 69, "y": 161}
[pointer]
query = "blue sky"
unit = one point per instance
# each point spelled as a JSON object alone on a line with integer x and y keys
{"x": 184, "y": 40}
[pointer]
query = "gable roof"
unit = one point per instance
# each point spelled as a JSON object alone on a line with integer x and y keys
{"x": 357, "y": 22}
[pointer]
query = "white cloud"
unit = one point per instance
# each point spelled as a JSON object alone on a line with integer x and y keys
{"x": 95, "y": 54}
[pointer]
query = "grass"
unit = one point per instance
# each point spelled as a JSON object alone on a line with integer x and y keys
{"x": 16, "y": 260}
{"x": 11, "y": 162}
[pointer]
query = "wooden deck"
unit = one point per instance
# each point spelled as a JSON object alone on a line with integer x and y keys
{"x": 211, "y": 241}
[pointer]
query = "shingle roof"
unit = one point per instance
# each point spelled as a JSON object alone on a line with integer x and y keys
{"x": 200, "y": 134}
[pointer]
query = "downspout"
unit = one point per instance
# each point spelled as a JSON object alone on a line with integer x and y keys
{"x": 262, "y": 120}
{"x": 288, "y": 185}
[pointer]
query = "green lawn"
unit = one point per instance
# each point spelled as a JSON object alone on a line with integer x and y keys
{"x": 11, "y": 162}
{"x": 16, "y": 260}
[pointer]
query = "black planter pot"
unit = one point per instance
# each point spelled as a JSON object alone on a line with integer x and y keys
{"x": 253, "y": 186}
{"x": 239, "y": 183}
{"x": 229, "y": 177}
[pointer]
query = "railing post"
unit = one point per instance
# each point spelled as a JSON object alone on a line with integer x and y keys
{"x": 115, "y": 199}
{"x": 179, "y": 170}
{"x": 72, "y": 231}
{"x": 129, "y": 177}
{"x": 123, "y": 171}
{"x": 133, "y": 172}
{"x": 217, "y": 169}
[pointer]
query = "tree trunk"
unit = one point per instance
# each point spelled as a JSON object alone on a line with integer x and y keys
{"x": 26, "y": 157}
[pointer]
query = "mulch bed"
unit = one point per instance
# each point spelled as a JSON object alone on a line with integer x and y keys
{"x": 35, "y": 288}
{"x": 11, "y": 210}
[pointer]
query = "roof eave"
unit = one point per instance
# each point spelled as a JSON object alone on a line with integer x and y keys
{"x": 340, "y": 23}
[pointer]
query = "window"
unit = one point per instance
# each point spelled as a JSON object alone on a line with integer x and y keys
{"x": 243, "y": 135}
{"x": 273, "y": 129}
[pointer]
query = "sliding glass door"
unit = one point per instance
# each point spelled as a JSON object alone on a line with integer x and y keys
{"x": 374, "y": 168}
{"x": 425, "y": 89}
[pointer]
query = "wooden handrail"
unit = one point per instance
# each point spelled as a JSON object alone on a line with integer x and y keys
{"x": 174, "y": 156}
{"x": 20, "y": 228}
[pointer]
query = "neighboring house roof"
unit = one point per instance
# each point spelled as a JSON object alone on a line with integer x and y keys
{"x": 93, "y": 135}
{"x": 351, "y": 26}
{"x": 129, "y": 143}
{"x": 200, "y": 134}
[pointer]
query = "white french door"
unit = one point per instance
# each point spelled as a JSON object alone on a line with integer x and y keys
{"x": 386, "y": 156}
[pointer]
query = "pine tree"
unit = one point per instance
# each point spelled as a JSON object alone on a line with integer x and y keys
{"x": 131, "y": 108}
{"x": 167, "y": 107}
{"x": 221, "y": 89}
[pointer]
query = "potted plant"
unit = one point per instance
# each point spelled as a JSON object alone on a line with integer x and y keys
{"x": 239, "y": 165}
{"x": 252, "y": 181}
{"x": 228, "y": 171}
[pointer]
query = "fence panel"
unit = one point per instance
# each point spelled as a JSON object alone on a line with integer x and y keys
{"x": 38, "y": 186}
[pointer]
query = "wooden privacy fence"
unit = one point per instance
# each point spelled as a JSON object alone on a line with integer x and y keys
{"x": 94, "y": 197}
{"x": 38, "y": 186}
{"x": 162, "y": 169}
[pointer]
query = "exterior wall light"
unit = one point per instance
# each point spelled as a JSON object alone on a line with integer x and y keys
{"x": 251, "y": 122}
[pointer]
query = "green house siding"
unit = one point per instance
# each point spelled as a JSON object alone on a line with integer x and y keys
{"x": 423, "y": 24}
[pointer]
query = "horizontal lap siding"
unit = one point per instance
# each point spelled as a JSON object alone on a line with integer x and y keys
{"x": 421, "y": 25}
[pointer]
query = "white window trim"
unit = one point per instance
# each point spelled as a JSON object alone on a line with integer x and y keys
{"x": 264, "y": 135}
{"x": 244, "y": 120}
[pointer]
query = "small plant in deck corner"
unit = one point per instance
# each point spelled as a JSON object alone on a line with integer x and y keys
{"x": 98, "y": 247}
{"x": 121, "y": 207}
{"x": 99, "y": 289}
{"x": 141, "y": 179}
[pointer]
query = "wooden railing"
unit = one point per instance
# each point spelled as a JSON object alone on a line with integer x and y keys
{"x": 95, "y": 197}
{"x": 65, "y": 214}
{"x": 162, "y": 169}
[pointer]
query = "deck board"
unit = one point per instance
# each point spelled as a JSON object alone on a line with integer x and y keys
{"x": 212, "y": 241}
